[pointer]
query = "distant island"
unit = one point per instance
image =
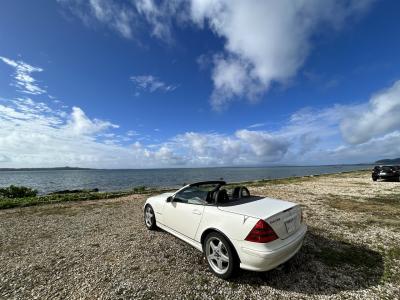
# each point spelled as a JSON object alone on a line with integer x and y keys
{"x": 44, "y": 169}
{"x": 388, "y": 161}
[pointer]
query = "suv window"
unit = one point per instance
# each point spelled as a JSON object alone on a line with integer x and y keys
{"x": 387, "y": 169}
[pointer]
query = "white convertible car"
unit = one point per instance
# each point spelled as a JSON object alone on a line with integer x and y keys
{"x": 233, "y": 229}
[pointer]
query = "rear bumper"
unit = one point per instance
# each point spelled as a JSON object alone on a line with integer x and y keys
{"x": 387, "y": 176}
{"x": 264, "y": 260}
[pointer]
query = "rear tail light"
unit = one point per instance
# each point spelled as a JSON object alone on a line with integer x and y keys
{"x": 261, "y": 233}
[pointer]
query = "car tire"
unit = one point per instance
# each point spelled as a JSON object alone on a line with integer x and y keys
{"x": 374, "y": 178}
{"x": 220, "y": 255}
{"x": 149, "y": 218}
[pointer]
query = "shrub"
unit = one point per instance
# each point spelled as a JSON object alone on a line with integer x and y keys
{"x": 17, "y": 192}
{"x": 139, "y": 189}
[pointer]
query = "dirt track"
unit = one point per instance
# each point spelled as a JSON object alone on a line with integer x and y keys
{"x": 101, "y": 249}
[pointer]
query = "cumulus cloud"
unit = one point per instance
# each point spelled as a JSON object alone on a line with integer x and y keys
{"x": 266, "y": 146}
{"x": 151, "y": 84}
{"x": 265, "y": 41}
{"x": 22, "y": 76}
{"x": 244, "y": 147}
{"x": 80, "y": 124}
{"x": 380, "y": 116}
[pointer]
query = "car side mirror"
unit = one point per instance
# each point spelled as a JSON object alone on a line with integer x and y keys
{"x": 169, "y": 199}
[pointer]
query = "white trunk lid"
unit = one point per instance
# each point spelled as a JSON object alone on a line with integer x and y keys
{"x": 283, "y": 216}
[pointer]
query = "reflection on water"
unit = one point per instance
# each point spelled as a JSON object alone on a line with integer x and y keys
{"x": 110, "y": 180}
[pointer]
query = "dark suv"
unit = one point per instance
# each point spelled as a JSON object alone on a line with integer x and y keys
{"x": 386, "y": 172}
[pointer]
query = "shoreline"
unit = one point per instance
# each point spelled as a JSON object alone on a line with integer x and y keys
{"x": 85, "y": 195}
{"x": 181, "y": 168}
{"x": 121, "y": 180}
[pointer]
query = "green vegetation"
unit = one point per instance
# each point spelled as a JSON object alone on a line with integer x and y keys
{"x": 22, "y": 196}
{"x": 263, "y": 182}
{"x": 390, "y": 274}
{"x": 349, "y": 255}
{"x": 299, "y": 179}
{"x": 17, "y": 192}
{"x": 382, "y": 205}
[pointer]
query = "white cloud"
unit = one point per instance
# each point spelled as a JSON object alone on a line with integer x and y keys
{"x": 131, "y": 133}
{"x": 380, "y": 116}
{"x": 22, "y": 76}
{"x": 267, "y": 147}
{"x": 265, "y": 41}
{"x": 80, "y": 124}
{"x": 256, "y": 125}
{"x": 242, "y": 148}
{"x": 387, "y": 146}
{"x": 158, "y": 16}
{"x": 4, "y": 158}
{"x": 118, "y": 16}
{"x": 126, "y": 17}
{"x": 151, "y": 84}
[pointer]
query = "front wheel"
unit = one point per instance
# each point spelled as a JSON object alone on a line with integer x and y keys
{"x": 374, "y": 178}
{"x": 149, "y": 217}
{"x": 220, "y": 255}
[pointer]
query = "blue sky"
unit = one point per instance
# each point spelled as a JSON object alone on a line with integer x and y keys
{"x": 144, "y": 84}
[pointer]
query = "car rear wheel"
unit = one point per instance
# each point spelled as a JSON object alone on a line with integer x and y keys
{"x": 149, "y": 218}
{"x": 220, "y": 255}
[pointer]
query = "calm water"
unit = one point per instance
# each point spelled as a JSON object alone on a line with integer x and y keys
{"x": 111, "y": 180}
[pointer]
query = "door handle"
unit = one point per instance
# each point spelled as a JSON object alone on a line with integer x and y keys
{"x": 196, "y": 212}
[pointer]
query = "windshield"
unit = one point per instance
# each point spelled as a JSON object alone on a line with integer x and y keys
{"x": 197, "y": 194}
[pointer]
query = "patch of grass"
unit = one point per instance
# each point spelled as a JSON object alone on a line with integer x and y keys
{"x": 263, "y": 182}
{"x": 394, "y": 223}
{"x": 299, "y": 179}
{"x": 57, "y": 198}
{"x": 203, "y": 280}
{"x": 392, "y": 259}
{"x": 361, "y": 263}
{"x": 347, "y": 256}
{"x": 390, "y": 199}
{"x": 387, "y": 206}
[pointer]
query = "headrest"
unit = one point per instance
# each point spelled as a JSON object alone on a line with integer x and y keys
{"x": 221, "y": 196}
{"x": 240, "y": 192}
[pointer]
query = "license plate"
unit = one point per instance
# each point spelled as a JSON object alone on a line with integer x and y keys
{"x": 290, "y": 225}
{"x": 383, "y": 173}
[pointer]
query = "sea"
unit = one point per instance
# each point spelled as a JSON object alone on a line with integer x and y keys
{"x": 46, "y": 181}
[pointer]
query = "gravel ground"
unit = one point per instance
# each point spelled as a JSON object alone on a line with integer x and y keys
{"x": 101, "y": 249}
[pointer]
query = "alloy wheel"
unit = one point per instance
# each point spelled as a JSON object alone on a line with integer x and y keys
{"x": 217, "y": 255}
{"x": 149, "y": 216}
